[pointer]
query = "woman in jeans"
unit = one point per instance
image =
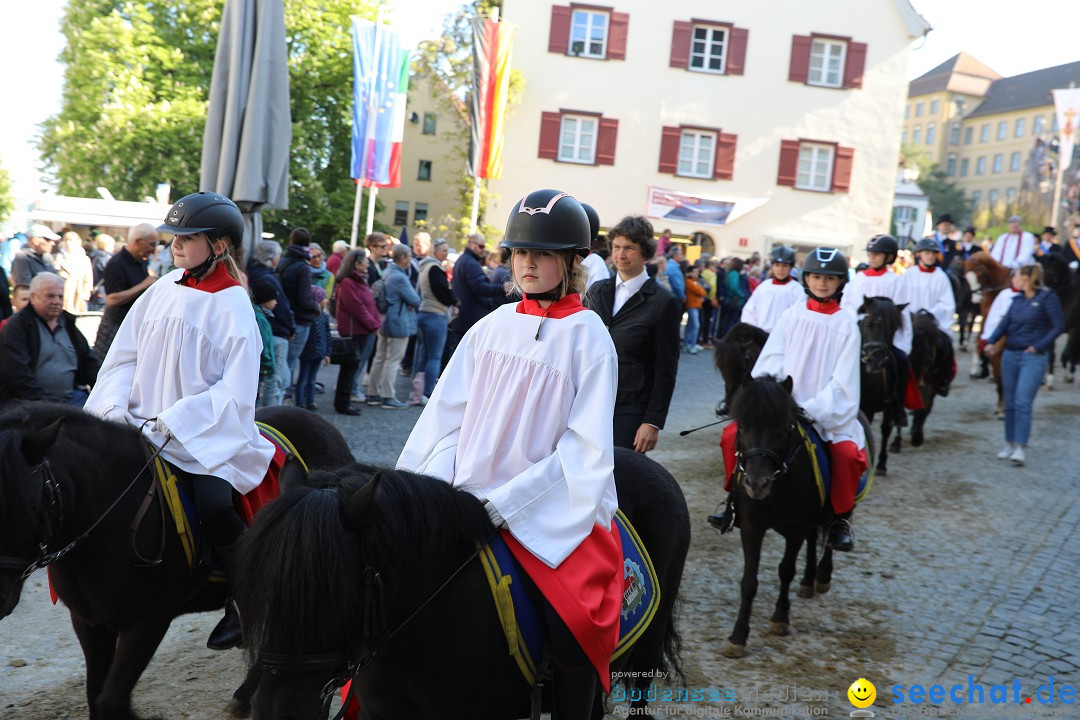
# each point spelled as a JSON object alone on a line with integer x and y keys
{"x": 436, "y": 299}
{"x": 1032, "y": 323}
{"x": 358, "y": 318}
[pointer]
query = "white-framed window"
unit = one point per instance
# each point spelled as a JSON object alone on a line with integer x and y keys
{"x": 964, "y": 164}
{"x": 1039, "y": 125}
{"x": 980, "y": 166}
{"x": 905, "y": 213}
{"x": 1010, "y": 196}
{"x": 589, "y": 34}
{"x": 968, "y": 132}
{"x": 916, "y": 134}
{"x": 999, "y": 163}
{"x": 976, "y": 199}
{"x": 420, "y": 213}
{"x": 401, "y": 212}
{"x": 827, "y": 63}
{"x": 954, "y": 134}
{"x": 931, "y": 133}
{"x": 1021, "y": 126}
{"x": 815, "y": 167}
{"x": 708, "y": 48}
{"x": 697, "y": 153}
{"x": 984, "y": 133}
{"x": 918, "y": 108}
{"x": 992, "y": 198}
{"x": 1003, "y": 130}
{"x": 933, "y": 107}
{"x": 577, "y": 139}
{"x": 1014, "y": 161}
{"x": 950, "y": 166}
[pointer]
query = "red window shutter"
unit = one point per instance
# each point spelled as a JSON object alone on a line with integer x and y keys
{"x": 617, "y": 29}
{"x": 559, "y": 37}
{"x": 605, "y": 141}
{"x": 736, "y": 56}
{"x": 845, "y": 158}
{"x": 680, "y": 44}
{"x": 789, "y": 163}
{"x": 550, "y": 125}
{"x": 725, "y": 157}
{"x": 800, "y": 58}
{"x": 854, "y": 64}
{"x": 669, "y": 150}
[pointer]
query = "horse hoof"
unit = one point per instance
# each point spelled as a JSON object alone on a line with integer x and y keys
{"x": 239, "y": 708}
{"x": 880, "y": 472}
{"x": 779, "y": 628}
{"x": 806, "y": 591}
{"x": 731, "y": 650}
{"x": 916, "y": 439}
{"x": 821, "y": 588}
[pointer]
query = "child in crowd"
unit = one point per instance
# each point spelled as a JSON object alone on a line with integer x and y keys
{"x": 316, "y": 352}
{"x": 264, "y": 300}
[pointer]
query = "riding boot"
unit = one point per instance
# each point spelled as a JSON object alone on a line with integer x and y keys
{"x": 574, "y": 691}
{"x": 840, "y": 535}
{"x": 227, "y": 633}
{"x": 727, "y": 518}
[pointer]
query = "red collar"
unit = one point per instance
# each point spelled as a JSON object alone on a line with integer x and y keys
{"x": 876, "y": 273}
{"x": 563, "y": 307}
{"x": 785, "y": 281}
{"x": 930, "y": 269}
{"x": 220, "y": 279}
{"x": 829, "y": 307}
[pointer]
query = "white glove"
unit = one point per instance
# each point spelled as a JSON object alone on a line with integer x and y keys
{"x": 493, "y": 513}
{"x": 1074, "y": 265}
{"x": 117, "y": 414}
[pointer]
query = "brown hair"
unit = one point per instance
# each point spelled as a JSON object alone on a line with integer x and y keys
{"x": 1035, "y": 272}
{"x": 575, "y": 276}
{"x": 348, "y": 265}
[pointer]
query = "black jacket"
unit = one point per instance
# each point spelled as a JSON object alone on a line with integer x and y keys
{"x": 295, "y": 274}
{"x": 646, "y": 336}
{"x": 476, "y": 295}
{"x": 20, "y": 346}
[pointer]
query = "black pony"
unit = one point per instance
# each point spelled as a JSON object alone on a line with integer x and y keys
{"x": 379, "y": 570}
{"x": 932, "y": 362}
{"x": 966, "y": 310}
{"x": 735, "y": 356}
{"x": 60, "y": 471}
{"x": 1065, "y": 282}
{"x": 879, "y": 373}
{"x": 777, "y": 490}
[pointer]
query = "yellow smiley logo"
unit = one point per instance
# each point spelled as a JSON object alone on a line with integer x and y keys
{"x": 862, "y": 693}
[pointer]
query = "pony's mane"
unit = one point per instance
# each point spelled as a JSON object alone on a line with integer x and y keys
{"x": 886, "y": 309}
{"x": 730, "y": 349}
{"x": 763, "y": 402}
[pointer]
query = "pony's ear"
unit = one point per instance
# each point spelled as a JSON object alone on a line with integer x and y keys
{"x": 361, "y": 502}
{"x": 787, "y": 383}
{"x": 866, "y": 305}
{"x": 292, "y": 474}
{"x": 37, "y": 443}
{"x": 901, "y": 307}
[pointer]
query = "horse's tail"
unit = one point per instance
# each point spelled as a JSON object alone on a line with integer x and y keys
{"x": 296, "y": 575}
{"x": 671, "y": 662}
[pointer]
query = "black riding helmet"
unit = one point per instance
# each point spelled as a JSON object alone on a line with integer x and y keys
{"x": 883, "y": 244}
{"x": 594, "y": 221}
{"x": 927, "y": 243}
{"x": 825, "y": 261}
{"x": 205, "y": 212}
{"x": 782, "y": 254}
{"x": 548, "y": 220}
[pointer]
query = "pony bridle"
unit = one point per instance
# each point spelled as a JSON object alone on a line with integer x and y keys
{"x": 782, "y": 465}
{"x": 53, "y": 507}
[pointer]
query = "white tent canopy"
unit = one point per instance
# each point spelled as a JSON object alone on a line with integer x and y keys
{"x": 60, "y": 210}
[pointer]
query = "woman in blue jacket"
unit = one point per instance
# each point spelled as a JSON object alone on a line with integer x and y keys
{"x": 1031, "y": 325}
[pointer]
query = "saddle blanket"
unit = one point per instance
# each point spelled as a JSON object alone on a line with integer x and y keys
{"x": 522, "y": 618}
{"x": 819, "y": 459}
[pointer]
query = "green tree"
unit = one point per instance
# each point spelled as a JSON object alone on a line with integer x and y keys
{"x": 7, "y": 199}
{"x": 136, "y": 85}
{"x": 944, "y": 196}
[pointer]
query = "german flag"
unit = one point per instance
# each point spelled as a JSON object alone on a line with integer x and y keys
{"x": 492, "y": 43}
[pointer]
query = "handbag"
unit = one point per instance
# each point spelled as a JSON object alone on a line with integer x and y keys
{"x": 343, "y": 351}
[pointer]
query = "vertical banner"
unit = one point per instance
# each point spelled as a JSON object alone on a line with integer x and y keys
{"x": 1067, "y": 109}
{"x": 492, "y": 45}
{"x": 380, "y": 85}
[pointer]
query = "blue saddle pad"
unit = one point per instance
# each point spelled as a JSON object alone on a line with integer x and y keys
{"x": 819, "y": 458}
{"x": 522, "y": 618}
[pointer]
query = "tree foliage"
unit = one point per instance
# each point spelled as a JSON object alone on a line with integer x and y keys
{"x": 945, "y": 198}
{"x": 7, "y": 198}
{"x": 136, "y": 86}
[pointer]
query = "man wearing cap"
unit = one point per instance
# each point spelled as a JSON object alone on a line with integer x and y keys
{"x": 35, "y": 257}
{"x": 1016, "y": 247}
{"x": 126, "y": 278}
{"x": 943, "y": 236}
{"x": 1047, "y": 243}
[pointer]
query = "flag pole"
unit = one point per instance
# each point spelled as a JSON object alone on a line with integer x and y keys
{"x": 373, "y": 192}
{"x": 356, "y": 214}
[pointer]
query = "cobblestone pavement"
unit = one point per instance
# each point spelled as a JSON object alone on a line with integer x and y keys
{"x": 964, "y": 566}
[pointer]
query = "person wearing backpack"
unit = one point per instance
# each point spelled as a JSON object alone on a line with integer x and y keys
{"x": 401, "y": 302}
{"x": 295, "y": 274}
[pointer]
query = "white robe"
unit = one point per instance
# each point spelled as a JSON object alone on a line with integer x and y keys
{"x": 930, "y": 291}
{"x": 821, "y": 354}
{"x": 189, "y": 359}
{"x": 887, "y": 285}
{"x": 1008, "y": 253}
{"x": 769, "y": 301}
{"x": 597, "y": 268}
{"x": 998, "y": 309}
{"x": 527, "y": 424}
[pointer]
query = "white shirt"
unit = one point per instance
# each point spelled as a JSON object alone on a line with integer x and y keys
{"x": 769, "y": 301}
{"x": 821, "y": 354}
{"x": 1014, "y": 251}
{"x": 886, "y": 285}
{"x": 189, "y": 359}
{"x": 597, "y": 269}
{"x": 998, "y": 309}
{"x": 527, "y": 425}
{"x": 930, "y": 291}
{"x": 625, "y": 289}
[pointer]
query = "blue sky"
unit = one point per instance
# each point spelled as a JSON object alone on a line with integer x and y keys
{"x": 1011, "y": 37}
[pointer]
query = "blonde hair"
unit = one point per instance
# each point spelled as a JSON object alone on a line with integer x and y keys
{"x": 575, "y": 276}
{"x": 1035, "y": 272}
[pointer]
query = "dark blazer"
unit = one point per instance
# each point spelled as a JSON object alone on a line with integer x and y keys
{"x": 19, "y": 350}
{"x": 646, "y": 336}
{"x": 477, "y": 296}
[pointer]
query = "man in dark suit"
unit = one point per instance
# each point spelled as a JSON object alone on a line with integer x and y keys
{"x": 643, "y": 319}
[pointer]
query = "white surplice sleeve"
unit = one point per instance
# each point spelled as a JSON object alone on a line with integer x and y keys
{"x": 944, "y": 304}
{"x": 110, "y": 397}
{"x": 837, "y": 403}
{"x": 432, "y": 445}
{"x": 771, "y": 359}
{"x": 554, "y": 504}
{"x": 751, "y": 311}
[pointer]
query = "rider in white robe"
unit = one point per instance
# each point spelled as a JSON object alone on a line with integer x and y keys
{"x": 926, "y": 287}
{"x": 773, "y": 296}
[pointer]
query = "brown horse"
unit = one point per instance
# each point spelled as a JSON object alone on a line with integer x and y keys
{"x": 987, "y": 278}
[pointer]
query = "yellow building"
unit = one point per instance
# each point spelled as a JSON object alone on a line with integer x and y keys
{"x": 995, "y": 147}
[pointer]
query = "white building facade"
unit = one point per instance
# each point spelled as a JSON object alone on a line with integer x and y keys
{"x": 754, "y": 124}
